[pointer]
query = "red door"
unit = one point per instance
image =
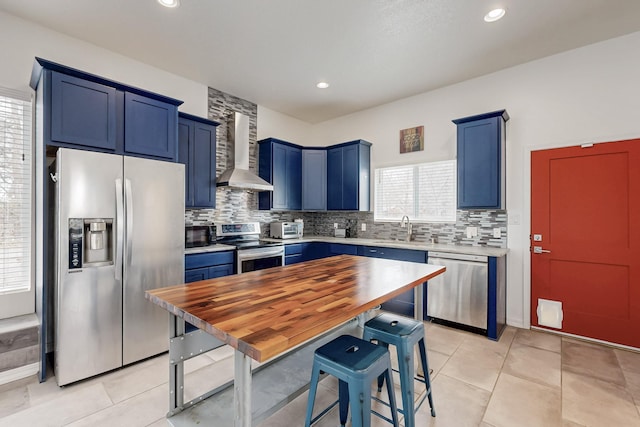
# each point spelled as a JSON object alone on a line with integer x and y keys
{"x": 585, "y": 205}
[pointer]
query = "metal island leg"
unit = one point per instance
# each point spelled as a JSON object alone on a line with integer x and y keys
{"x": 242, "y": 390}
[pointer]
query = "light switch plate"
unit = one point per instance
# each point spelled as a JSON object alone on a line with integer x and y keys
{"x": 472, "y": 232}
{"x": 364, "y": 226}
{"x": 497, "y": 233}
{"x": 335, "y": 225}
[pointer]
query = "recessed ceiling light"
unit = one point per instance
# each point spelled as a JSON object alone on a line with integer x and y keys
{"x": 169, "y": 3}
{"x": 322, "y": 85}
{"x": 494, "y": 15}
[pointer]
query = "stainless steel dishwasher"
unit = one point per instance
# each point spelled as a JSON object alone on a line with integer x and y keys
{"x": 460, "y": 294}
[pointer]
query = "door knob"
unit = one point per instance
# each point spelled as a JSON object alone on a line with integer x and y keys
{"x": 539, "y": 250}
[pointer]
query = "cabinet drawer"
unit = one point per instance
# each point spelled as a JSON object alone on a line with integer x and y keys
{"x": 394, "y": 253}
{"x": 208, "y": 259}
{"x": 293, "y": 249}
{"x": 340, "y": 249}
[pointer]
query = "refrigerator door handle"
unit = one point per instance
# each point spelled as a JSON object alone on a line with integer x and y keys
{"x": 119, "y": 228}
{"x": 128, "y": 232}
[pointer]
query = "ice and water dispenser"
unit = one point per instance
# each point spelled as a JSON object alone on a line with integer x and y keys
{"x": 91, "y": 242}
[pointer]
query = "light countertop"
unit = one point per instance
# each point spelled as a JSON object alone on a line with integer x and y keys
{"x": 418, "y": 246}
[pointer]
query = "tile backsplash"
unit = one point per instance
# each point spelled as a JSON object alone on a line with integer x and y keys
{"x": 241, "y": 206}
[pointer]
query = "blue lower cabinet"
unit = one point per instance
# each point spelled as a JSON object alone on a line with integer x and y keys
{"x": 299, "y": 252}
{"x": 208, "y": 265}
{"x": 402, "y": 304}
{"x": 196, "y": 275}
{"x": 342, "y": 249}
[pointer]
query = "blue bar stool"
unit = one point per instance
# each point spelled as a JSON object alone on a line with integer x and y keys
{"x": 356, "y": 363}
{"x": 404, "y": 334}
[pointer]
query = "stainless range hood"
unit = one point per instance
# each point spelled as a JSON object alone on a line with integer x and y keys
{"x": 238, "y": 174}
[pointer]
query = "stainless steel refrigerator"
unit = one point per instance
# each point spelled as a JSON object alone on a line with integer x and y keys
{"x": 119, "y": 231}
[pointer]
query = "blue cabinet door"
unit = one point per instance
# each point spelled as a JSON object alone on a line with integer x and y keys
{"x": 204, "y": 165}
{"x": 314, "y": 180}
{"x": 220, "y": 271}
{"x": 279, "y": 176}
{"x": 197, "y": 151}
{"x": 150, "y": 127}
{"x": 196, "y": 275}
{"x": 184, "y": 157}
{"x": 315, "y": 250}
{"x": 294, "y": 178}
{"x": 334, "y": 178}
{"x": 280, "y": 163}
{"x": 348, "y": 176}
{"x": 480, "y": 161}
{"x": 82, "y": 112}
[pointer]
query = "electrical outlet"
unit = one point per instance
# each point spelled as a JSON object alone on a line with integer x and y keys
{"x": 364, "y": 226}
{"x": 497, "y": 233}
{"x": 472, "y": 232}
{"x": 335, "y": 225}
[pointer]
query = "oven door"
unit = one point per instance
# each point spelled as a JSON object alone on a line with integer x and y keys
{"x": 259, "y": 258}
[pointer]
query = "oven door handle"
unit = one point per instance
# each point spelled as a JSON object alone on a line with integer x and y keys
{"x": 250, "y": 254}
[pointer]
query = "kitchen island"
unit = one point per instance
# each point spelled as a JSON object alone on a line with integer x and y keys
{"x": 267, "y": 313}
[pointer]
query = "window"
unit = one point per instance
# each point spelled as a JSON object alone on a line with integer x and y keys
{"x": 15, "y": 191}
{"x": 424, "y": 192}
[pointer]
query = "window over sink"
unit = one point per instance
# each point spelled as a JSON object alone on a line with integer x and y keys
{"x": 425, "y": 192}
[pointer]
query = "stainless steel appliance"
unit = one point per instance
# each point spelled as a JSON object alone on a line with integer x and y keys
{"x": 251, "y": 252}
{"x": 460, "y": 294}
{"x": 199, "y": 235}
{"x": 286, "y": 230}
{"x": 118, "y": 231}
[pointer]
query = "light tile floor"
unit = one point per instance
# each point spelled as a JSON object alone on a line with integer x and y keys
{"x": 527, "y": 378}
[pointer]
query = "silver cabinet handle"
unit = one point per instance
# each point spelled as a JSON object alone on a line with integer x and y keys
{"x": 539, "y": 250}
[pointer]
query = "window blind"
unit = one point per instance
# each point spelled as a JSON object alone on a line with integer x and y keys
{"x": 15, "y": 191}
{"x": 424, "y": 192}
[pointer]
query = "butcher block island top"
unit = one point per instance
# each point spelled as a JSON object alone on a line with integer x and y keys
{"x": 267, "y": 312}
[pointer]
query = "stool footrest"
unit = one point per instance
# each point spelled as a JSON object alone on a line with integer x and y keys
{"x": 327, "y": 409}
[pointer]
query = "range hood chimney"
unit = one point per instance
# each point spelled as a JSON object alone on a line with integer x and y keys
{"x": 237, "y": 174}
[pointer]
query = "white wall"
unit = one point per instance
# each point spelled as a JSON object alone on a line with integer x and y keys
{"x": 588, "y": 94}
{"x": 277, "y": 125}
{"x": 21, "y": 41}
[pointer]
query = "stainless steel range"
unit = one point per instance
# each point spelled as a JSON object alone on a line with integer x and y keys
{"x": 252, "y": 253}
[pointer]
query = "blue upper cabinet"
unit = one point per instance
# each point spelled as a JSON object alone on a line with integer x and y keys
{"x": 348, "y": 176}
{"x": 150, "y": 126}
{"x": 85, "y": 111}
{"x": 82, "y": 112}
{"x": 314, "y": 179}
{"x": 481, "y": 160}
{"x": 197, "y": 151}
{"x": 280, "y": 163}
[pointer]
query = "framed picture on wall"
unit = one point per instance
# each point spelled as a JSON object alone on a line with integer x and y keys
{"x": 412, "y": 139}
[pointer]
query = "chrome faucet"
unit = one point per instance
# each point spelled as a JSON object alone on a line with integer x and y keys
{"x": 408, "y": 226}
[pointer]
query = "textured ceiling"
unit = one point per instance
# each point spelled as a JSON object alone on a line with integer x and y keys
{"x": 273, "y": 52}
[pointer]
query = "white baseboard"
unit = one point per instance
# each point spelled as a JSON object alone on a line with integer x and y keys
{"x": 19, "y": 373}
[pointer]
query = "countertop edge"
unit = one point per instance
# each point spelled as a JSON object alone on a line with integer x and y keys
{"x": 416, "y": 246}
